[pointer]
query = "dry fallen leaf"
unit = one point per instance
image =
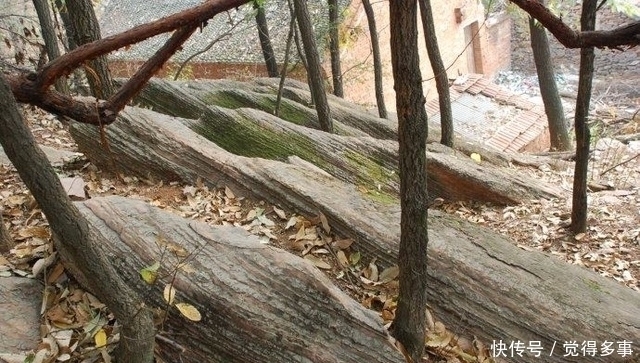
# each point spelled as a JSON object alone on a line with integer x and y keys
{"x": 189, "y": 311}
{"x": 281, "y": 214}
{"x": 169, "y": 293}
{"x": 389, "y": 274}
{"x": 100, "y": 338}
{"x": 318, "y": 262}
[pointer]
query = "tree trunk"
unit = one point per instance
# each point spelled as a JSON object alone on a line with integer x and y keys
{"x": 334, "y": 48}
{"x": 524, "y": 304}
{"x": 6, "y": 242}
{"x": 439, "y": 73}
{"x": 409, "y": 324}
{"x": 74, "y": 239}
{"x": 370, "y": 163}
{"x": 377, "y": 62}
{"x": 313, "y": 65}
{"x": 548, "y": 89}
{"x": 265, "y": 41}
{"x": 70, "y": 44}
{"x": 86, "y": 30}
{"x": 579, "y": 211}
{"x": 50, "y": 40}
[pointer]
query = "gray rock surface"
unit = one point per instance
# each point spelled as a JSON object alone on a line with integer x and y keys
{"x": 19, "y": 314}
{"x": 55, "y": 156}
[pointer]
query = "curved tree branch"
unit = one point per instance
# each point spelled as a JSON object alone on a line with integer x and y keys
{"x": 34, "y": 88}
{"x": 626, "y": 35}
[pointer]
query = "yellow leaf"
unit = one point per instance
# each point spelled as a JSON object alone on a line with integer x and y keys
{"x": 100, "y": 338}
{"x": 354, "y": 258}
{"x": 476, "y": 157}
{"x": 150, "y": 273}
{"x": 189, "y": 311}
{"x": 169, "y": 293}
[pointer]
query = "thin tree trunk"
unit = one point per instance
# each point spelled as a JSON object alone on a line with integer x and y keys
{"x": 583, "y": 135}
{"x": 334, "y": 47}
{"x": 70, "y": 44}
{"x": 265, "y": 41}
{"x": 285, "y": 65}
{"x": 548, "y": 89}
{"x": 409, "y": 324}
{"x": 74, "y": 240}
{"x": 86, "y": 29}
{"x": 313, "y": 65}
{"x": 377, "y": 62}
{"x": 6, "y": 242}
{"x": 439, "y": 72}
{"x": 49, "y": 36}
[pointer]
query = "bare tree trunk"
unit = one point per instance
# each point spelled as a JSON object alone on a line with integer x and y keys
{"x": 313, "y": 65}
{"x": 377, "y": 62}
{"x": 6, "y": 242}
{"x": 583, "y": 135}
{"x": 285, "y": 65}
{"x": 85, "y": 27}
{"x": 70, "y": 44}
{"x": 439, "y": 72}
{"x": 334, "y": 47}
{"x": 74, "y": 240}
{"x": 49, "y": 36}
{"x": 409, "y": 324}
{"x": 265, "y": 41}
{"x": 548, "y": 88}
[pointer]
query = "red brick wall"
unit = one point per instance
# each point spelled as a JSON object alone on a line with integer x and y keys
{"x": 496, "y": 45}
{"x": 202, "y": 70}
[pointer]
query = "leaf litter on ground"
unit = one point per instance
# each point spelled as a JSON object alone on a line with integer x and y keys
{"x": 610, "y": 247}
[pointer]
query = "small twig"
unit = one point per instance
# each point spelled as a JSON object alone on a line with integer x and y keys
{"x": 209, "y": 46}
{"x": 170, "y": 342}
{"x": 619, "y": 164}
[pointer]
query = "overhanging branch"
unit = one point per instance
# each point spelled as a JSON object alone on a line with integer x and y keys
{"x": 35, "y": 87}
{"x": 624, "y": 36}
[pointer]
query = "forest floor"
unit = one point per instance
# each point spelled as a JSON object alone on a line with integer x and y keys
{"x": 610, "y": 247}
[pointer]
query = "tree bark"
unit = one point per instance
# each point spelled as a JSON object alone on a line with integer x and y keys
{"x": 627, "y": 35}
{"x": 316, "y": 83}
{"x": 86, "y": 30}
{"x": 6, "y": 242}
{"x": 265, "y": 41}
{"x": 527, "y": 302}
{"x": 74, "y": 239}
{"x": 579, "y": 210}
{"x": 377, "y": 62}
{"x": 409, "y": 324}
{"x": 439, "y": 73}
{"x": 50, "y": 40}
{"x": 548, "y": 89}
{"x": 334, "y": 48}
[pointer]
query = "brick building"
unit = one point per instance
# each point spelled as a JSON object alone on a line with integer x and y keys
{"x": 236, "y": 50}
{"x": 457, "y": 23}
